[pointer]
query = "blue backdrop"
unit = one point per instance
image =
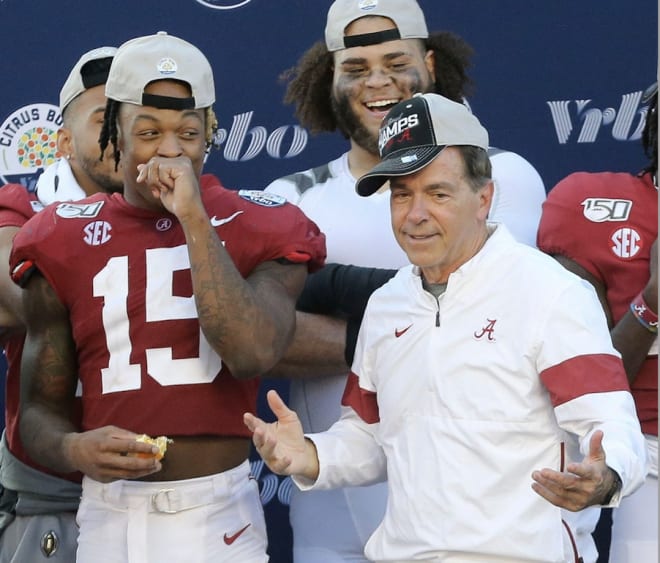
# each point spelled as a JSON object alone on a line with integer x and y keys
{"x": 558, "y": 81}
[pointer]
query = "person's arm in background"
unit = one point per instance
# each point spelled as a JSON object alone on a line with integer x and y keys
{"x": 629, "y": 336}
{"x": 15, "y": 210}
{"x": 317, "y": 349}
{"x": 11, "y": 311}
{"x": 328, "y": 317}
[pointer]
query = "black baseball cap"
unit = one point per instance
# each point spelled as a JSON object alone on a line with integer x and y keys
{"x": 415, "y": 131}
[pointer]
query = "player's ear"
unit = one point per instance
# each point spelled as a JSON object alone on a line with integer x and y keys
{"x": 486, "y": 199}
{"x": 65, "y": 142}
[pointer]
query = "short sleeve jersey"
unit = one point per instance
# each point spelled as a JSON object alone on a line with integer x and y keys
{"x": 123, "y": 273}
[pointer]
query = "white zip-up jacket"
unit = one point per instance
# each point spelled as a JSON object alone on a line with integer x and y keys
{"x": 457, "y": 400}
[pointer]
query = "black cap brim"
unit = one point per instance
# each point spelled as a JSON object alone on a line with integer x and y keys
{"x": 397, "y": 163}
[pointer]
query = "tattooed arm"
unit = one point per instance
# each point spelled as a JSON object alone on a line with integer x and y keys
{"x": 249, "y": 322}
{"x": 48, "y": 375}
{"x": 48, "y": 385}
{"x": 324, "y": 345}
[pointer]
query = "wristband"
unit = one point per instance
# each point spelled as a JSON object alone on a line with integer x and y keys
{"x": 644, "y": 315}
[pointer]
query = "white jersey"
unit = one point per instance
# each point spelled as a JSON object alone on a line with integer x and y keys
{"x": 358, "y": 231}
{"x": 460, "y": 398}
{"x": 519, "y": 195}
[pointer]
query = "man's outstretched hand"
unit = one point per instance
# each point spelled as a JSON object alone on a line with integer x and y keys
{"x": 282, "y": 444}
{"x": 582, "y": 484}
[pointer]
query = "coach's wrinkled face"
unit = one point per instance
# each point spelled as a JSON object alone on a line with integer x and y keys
{"x": 438, "y": 218}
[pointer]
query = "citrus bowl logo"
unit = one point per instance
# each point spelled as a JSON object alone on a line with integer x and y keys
{"x": 223, "y": 4}
{"x": 28, "y": 143}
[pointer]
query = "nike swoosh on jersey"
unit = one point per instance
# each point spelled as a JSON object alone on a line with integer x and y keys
{"x": 231, "y": 539}
{"x": 401, "y": 332}
{"x": 215, "y": 222}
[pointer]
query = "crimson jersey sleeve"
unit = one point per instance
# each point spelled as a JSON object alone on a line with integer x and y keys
{"x": 270, "y": 217}
{"x": 564, "y": 226}
{"x": 209, "y": 181}
{"x": 268, "y": 225}
{"x": 605, "y": 222}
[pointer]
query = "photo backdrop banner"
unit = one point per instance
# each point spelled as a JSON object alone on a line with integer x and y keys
{"x": 559, "y": 82}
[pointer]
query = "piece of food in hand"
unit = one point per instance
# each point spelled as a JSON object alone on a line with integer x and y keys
{"x": 160, "y": 442}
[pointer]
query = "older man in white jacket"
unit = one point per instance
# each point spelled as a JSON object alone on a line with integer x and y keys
{"x": 480, "y": 371}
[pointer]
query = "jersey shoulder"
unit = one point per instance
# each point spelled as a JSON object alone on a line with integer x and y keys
{"x": 254, "y": 203}
{"x": 293, "y": 186}
{"x": 208, "y": 181}
{"x": 596, "y": 197}
{"x": 509, "y": 164}
{"x": 57, "y": 223}
{"x": 578, "y": 185}
{"x": 587, "y": 206}
{"x": 264, "y": 224}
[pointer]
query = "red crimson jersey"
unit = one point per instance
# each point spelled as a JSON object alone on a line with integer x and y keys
{"x": 607, "y": 222}
{"x": 124, "y": 275}
{"x": 17, "y": 205}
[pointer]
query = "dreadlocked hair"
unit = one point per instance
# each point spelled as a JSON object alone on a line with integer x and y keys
{"x": 650, "y": 136}
{"x": 309, "y": 82}
{"x": 109, "y": 129}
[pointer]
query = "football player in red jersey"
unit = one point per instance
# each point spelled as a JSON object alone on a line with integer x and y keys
{"x": 181, "y": 296}
{"x": 38, "y": 506}
{"x": 604, "y": 228}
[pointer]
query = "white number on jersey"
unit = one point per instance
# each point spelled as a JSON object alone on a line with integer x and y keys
{"x": 111, "y": 283}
